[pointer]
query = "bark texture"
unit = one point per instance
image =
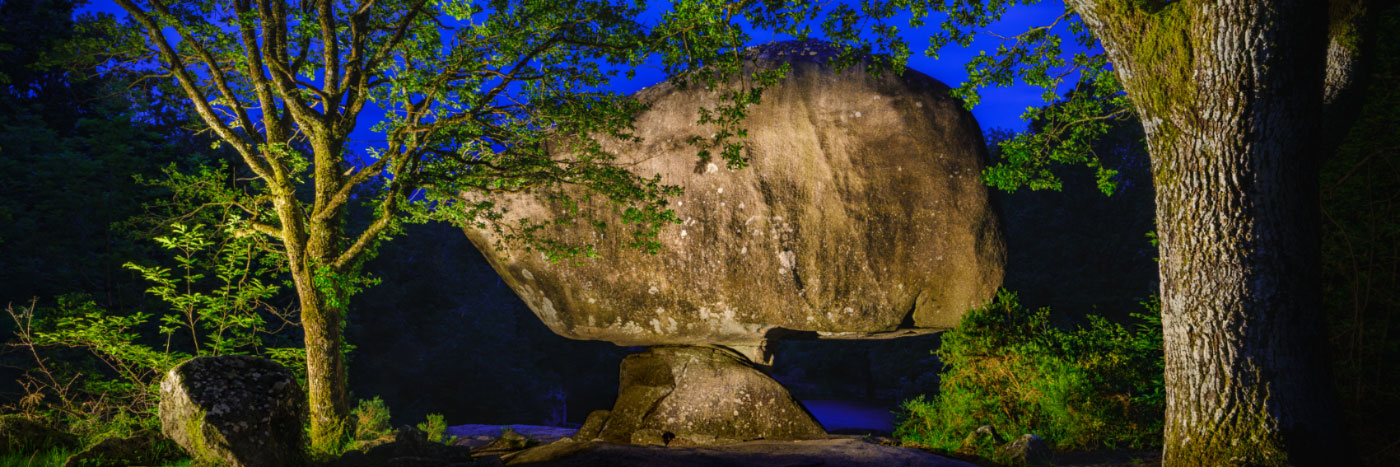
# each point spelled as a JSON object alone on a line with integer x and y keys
{"x": 1230, "y": 93}
{"x": 325, "y": 373}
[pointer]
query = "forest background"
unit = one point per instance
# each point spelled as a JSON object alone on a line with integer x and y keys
{"x": 89, "y": 192}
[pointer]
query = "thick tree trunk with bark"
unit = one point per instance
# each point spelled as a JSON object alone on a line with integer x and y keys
{"x": 323, "y": 303}
{"x": 1230, "y": 95}
{"x": 321, "y": 322}
{"x": 325, "y": 371}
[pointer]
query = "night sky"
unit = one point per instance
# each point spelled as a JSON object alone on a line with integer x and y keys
{"x": 1000, "y": 108}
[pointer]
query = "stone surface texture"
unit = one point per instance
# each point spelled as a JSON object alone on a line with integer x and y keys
{"x": 592, "y": 426}
{"x": 701, "y": 395}
{"x": 862, "y": 215}
{"x": 1027, "y": 450}
{"x": 846, "y": 452}
{"x": 140, "y": 449}
{"x": 234, "y": 410}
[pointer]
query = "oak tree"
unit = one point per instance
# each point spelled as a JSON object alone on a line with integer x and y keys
{"x": 486, "y": 97}
{"x": 1240, "y": 100}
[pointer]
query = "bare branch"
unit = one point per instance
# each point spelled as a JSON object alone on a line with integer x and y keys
{"x": 188, "y": 83}
{"x": 330, "y": 59}
{"x": 216, "y": 73}
{"x": 274, "y": 23}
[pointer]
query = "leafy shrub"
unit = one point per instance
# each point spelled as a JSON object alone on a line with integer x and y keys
{"x": 96, "y": 371}
{"x": 1090, "y": 386}
{"x": 371, "y": 419}
{"x": 435, "y": 428}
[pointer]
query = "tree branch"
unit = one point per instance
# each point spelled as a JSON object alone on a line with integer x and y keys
{"x": 188, "y": 83}
{"x": 330, "y": 59}
{"x": 216, "y": 73}
{"x": 273, "y": 124}
{"x": 274, "y": 24}
{"x": 342, "y": 195}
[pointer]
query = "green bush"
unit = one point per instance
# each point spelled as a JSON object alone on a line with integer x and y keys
{"x": 96, "y": 371}
{"x": 435, "y": 428}
{"x": 1090, "y": 386}
{"x": 371, "y": 419}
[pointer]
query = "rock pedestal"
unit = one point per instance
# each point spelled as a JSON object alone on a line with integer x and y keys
{"x": 234, "y": 410}
{"x": 683, "y": 395}
{"x": 862, "y": 215}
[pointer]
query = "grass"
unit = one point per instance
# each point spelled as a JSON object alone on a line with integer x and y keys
{"x": 45, "y": 458}
{"x": 56, "y": 458}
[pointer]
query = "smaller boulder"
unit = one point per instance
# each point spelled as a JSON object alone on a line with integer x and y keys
{"x": 141, "y": 449}
{"x": 1028, "y": 450}
{"x": 685, "y": 390}
{"x": 592, "y": 426}
{"x": 411, "y": 447}
{"x": 20, "y": 435}
{"x": 509, "y": 442}
{"x": 410, "y": 436}
{"x": 234, "y": 410}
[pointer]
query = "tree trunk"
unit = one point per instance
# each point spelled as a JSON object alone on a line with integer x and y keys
{"x": 323, "y": 307}
{"x": 325, "y": 370}
{"x": 321, "y": 320}
{"x": 1230, "y": 95}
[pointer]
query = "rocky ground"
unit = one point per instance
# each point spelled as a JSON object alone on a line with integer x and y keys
{"x": 521, "y": 445}
{"x": 837, "y": 451}
{"x": 532, "y": 445}
{"x": 484, "y": 445}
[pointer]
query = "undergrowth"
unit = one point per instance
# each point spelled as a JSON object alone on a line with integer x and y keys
{"x": 1096, "y": 385}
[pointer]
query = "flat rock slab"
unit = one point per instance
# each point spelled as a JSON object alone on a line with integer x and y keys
{"x": 811, "y": 453}
{"x": 480, "y": 435}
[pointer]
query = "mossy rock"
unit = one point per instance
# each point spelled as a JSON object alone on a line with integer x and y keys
{"x": 20, "y": 435}
{"x": 980, "y": 441}
{"x": 141, "y": 449}
{"x": 234, "y": 410}
{"x": 702, "y": 395}
{"x": 1028, "y": 450}
{"x": 591, "y": 426}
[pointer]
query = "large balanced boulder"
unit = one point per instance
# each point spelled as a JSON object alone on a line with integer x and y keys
{"x": 687, "y": 395}
{"x": 234, "y": 410}
{"x": 862, "y": 214}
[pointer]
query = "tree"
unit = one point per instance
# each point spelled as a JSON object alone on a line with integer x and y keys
{"x": 1239, "y": 101}
{"x": 482, "y": 97}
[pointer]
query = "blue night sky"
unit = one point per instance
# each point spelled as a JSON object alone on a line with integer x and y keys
{"x": 1000, "y": 107}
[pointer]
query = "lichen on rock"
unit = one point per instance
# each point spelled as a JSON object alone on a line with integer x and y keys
{"x": 234, "y": 410}
{"x": 701, "y": 395}
{"x": 862, "y": 214}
